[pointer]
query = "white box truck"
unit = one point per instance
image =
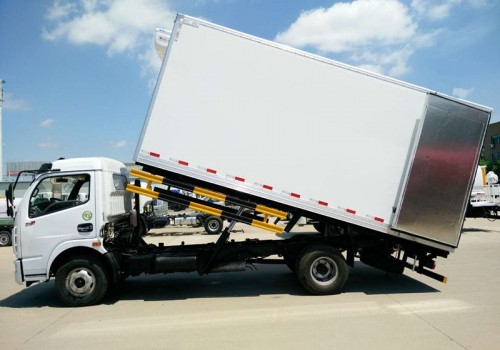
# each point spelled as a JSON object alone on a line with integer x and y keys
{"x": 485, "y": 196}
{"x": 383, "y": 167}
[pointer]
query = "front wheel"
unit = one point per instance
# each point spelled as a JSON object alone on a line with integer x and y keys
{"x": 322, "y": 270}
{"x": 81, "y": 282}
{"x": 5, "y": 238}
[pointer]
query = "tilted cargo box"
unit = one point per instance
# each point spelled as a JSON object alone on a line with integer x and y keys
{"x": 249, "y": 115}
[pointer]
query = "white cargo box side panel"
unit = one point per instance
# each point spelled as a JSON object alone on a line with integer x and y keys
{"x": 281, "y": 117}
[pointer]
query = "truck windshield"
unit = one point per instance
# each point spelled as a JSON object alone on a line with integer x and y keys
{"x": 56, "y": 193}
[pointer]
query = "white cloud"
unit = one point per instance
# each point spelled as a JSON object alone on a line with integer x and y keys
{"x": 347, "y": 26}
{"x": 428, "y": 39}
{"x": 47, "y": 123}
{"x": 150, "y": 60}
{"x": 60, "y": 10}
{"x": 462, "y": 93}
{"x": 441, "y": 9}
{"x": 121, "y": 26}
{"x": 15, "y": 104}
{"x": 378, "y": 35}
{"x": 433, "y": 9}
{"x": 118, "y": 144}
{"x": 48, "y": 143}
{"x": 391, "y": 62}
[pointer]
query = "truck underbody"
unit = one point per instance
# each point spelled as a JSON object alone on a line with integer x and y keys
{"x": 321, "y": 260}
{"x": 134, "y": 256}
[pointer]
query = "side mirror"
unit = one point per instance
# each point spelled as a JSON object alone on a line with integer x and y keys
{"x": 9, "y": 198}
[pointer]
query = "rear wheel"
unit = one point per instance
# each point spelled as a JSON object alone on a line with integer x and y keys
{"x": 321, "y": 270}
{"x": 5, "y": 238}
{"x": 319, "y": 226}
{"x": 81, "y": 282}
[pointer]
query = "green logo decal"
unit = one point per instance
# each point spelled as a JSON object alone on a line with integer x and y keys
{"x": 87, "y": 215}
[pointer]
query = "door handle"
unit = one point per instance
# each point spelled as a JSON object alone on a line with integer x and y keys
{"x": 85, "y": 228}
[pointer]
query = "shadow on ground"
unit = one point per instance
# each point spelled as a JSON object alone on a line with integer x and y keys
{"x": 473, "y": 229}
{"x": 268, "y": 280}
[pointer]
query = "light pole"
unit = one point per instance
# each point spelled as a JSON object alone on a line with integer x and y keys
{"x": 1, "y": 137}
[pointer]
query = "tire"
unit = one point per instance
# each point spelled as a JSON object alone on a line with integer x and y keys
{"x": 82, "y": 282}
{"x": 5, "y": 238}
{"x": 322, "y": 270}
{"x": 319, "y": 226}
{"x": 213, "y": 225}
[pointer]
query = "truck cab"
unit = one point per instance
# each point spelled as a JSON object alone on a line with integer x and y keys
{"x": 63, "y": 213}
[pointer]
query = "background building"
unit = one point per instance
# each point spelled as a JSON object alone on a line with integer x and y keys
{"x": 491, "y": 149}
{"x": 12, "y": 169}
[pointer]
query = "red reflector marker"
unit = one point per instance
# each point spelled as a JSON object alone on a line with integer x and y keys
{"x": 153, "y": 154}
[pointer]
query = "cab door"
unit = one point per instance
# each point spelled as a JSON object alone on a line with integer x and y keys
{"x": 61, "y": 208}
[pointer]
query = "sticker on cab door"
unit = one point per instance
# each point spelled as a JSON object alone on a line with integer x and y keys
{"x": 87, "y": 215}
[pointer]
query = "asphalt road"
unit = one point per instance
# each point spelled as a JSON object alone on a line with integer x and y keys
{"x": 267, "y": 309}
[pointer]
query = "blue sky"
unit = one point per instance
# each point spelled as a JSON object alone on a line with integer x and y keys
{"x": 80, "y": 74}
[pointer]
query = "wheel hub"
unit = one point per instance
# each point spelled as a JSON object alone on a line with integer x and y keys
{"x": 80, "y": 282}
{"x": 213, "y": 225}
{"x": 324, "y": 270}
{"x": 4, "y": 240}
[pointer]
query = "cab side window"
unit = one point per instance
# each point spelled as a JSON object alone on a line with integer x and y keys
{"x": 57, "y": 193}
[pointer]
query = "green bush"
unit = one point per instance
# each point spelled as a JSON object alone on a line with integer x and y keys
{"x": 491, "y": 165}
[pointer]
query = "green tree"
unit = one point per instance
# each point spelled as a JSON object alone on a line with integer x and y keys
{"x": 491, "y": 165}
